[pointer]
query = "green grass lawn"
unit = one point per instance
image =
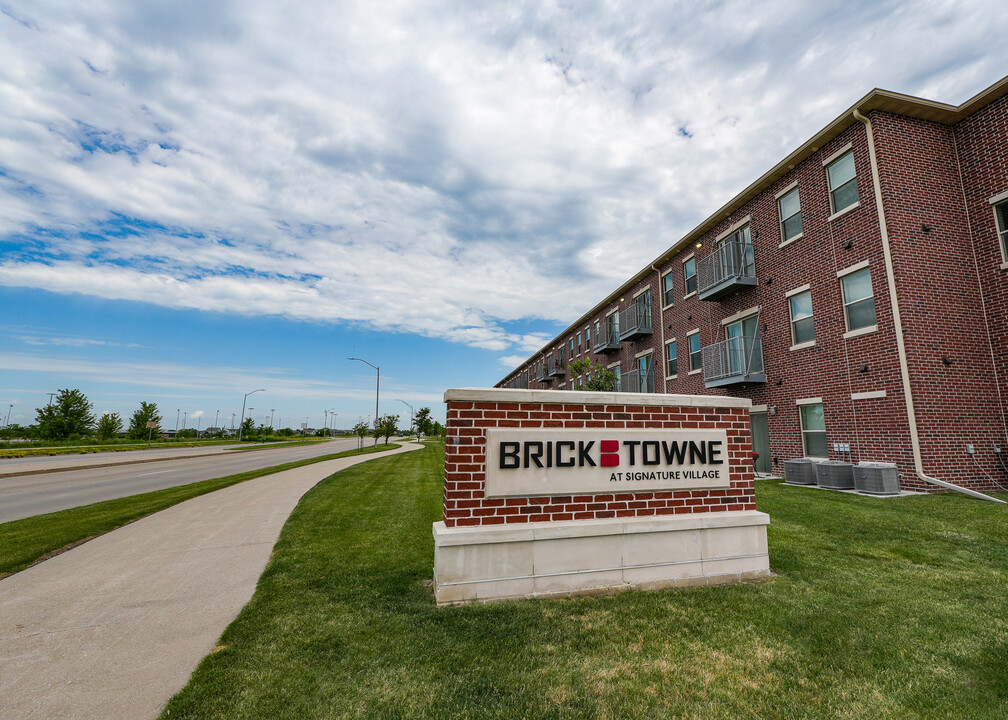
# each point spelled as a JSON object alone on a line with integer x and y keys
{"x": 891, "y": 608}
{"x": 24, "y": 542}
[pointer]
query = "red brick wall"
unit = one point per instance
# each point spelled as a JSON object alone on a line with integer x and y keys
{"x": 465, "y": 462}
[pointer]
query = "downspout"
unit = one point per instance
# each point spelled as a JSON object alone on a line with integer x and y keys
{"x": 898, "y": 325}
{"x": 661, "y": 322}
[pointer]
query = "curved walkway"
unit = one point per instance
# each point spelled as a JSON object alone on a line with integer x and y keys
{"x": 114, "y": 627}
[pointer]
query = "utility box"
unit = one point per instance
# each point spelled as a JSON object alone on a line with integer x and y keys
{"x": 835, "y": 474}
{"x": 876, "y": 478}
{"x": 800, "y": 471}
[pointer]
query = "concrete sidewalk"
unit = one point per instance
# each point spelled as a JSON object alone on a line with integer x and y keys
{"x": 114, "y": 627}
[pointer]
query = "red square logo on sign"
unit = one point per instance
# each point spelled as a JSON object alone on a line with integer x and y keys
{"x": 610, "y": 452}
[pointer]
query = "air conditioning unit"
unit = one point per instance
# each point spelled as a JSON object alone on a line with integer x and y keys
{"x": 835, "y": 474}
{"x": 876, "y": 478}
{"x": 800, "y": 471}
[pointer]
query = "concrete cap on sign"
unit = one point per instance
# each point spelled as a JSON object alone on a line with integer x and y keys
{"x": 578, "y": 397}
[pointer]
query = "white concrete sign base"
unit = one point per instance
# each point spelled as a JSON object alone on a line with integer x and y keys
{"x": 592, "y": 556}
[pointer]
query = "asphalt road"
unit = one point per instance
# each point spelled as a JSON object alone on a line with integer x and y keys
{"x": 28, "y": 495}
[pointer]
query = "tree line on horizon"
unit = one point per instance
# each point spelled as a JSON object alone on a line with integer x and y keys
{"x": 70, "y": 416}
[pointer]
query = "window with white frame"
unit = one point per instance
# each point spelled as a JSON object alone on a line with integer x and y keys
{"x": 618, "y": 381}
{"x": 571, "y": 356}
{"x": 668, "y": 291}
{"x": 1001, "y": 214}
{"x": 859, "y": 301}
{"x": 813, "y": 426}
{"x": 695, "y": 359}
{"x": 802, "y": 324}
{"x": 671, "y": 359}
{"x": 689, "y": 274}
{"x": 842, "y": 182}
{"x": 588, "y": 346}
{"x": 789, "y": 206}
{"x": 579, "y": 343}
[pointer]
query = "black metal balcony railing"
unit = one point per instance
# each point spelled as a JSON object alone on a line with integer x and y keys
{"x": 608, "y": 339}
{"x": 636, "y": 381}
{"x": 727, "y": 269}
{"x": 636, "y": 321}
{"x": 558, "y": 365}
{"x": 732, "y": 361}
{"x": 542, "y": 373}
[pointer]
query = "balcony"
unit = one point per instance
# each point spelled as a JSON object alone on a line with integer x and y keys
{"x": 636, "y": 381}
{"x": 542, "y": 373}
{"x": 734, "y": 361}
{"x": 636, "y": 321}
{"x": 557, "y": 365}
{"x": 608, "y": 339}
{"x": 729, "y": 268}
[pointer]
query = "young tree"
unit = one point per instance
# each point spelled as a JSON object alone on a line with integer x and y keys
{"x": 70, "y": 414}
{"x": 147, "y": 412}
{"x": 361, "y": 430}
{"x": 386, "y": 427}
{"x": 248, "y": 428}
{"x": 109, "y": 425}
{"x": 423, "y": 421}
{"x": 592, "y": 377}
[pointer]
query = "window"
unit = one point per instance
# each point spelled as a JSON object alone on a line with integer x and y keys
{"x": 813, "y": 425}
{"x": 842, "y": 182}
{"x": 668, "y": 292}
{"x": 588, "y": 339}
{"x": 689, "y": 273}
{"x": 618, "y": 382}
{"x": 598, "y": 331}
{"x": 1001, "y": 213}
{"x": 671, "y": 359}
{"x": 579, "y": 343}
{"x": 572, "y": 347}
{"x": 802, "y": 324}
{"x": 859, "y": 303}
{"x": 790, "y": 215}
{"x": 695, "y": 361}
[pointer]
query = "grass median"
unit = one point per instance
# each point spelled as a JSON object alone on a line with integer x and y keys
{"x": 29, "y": 540}
{"x": 880, "y": 609}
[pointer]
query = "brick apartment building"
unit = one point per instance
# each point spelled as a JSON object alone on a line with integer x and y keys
{"x": 857, "y": 293}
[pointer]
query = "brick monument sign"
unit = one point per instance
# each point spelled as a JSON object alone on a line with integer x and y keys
{"x": 551, "y": 493}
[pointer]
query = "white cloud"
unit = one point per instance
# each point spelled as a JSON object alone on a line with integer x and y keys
{"x": 444, "y": 169}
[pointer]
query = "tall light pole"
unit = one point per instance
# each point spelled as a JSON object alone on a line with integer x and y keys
{"x": 177, "y": 411}
{"x": 8, "y": 414}
{"x": 332, "y": 417}
{"x": 377, "y": 384}
{"x": 51, "y": 397}
{"x": 412, "y": 413}
{"x": 272, "y": 410}
{"x": 244, "y": 400}
{"x": 216, "y": 415}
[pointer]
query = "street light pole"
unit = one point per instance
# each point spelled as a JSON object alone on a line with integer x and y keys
{"x": 244, "y": 400}
{"x": 377, "y": 385}
{"x": 412, "y": 413}
{"x": 177, "y": 411}
{"x": 216, "y": 415}
{"x": 272, "y": 410}
{"x": 332, "y": 416}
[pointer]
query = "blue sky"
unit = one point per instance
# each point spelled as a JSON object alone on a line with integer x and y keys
{"x": 199, "y": 199}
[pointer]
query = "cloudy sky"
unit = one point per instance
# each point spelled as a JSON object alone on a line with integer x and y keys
{"x": 198, "y": 199}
